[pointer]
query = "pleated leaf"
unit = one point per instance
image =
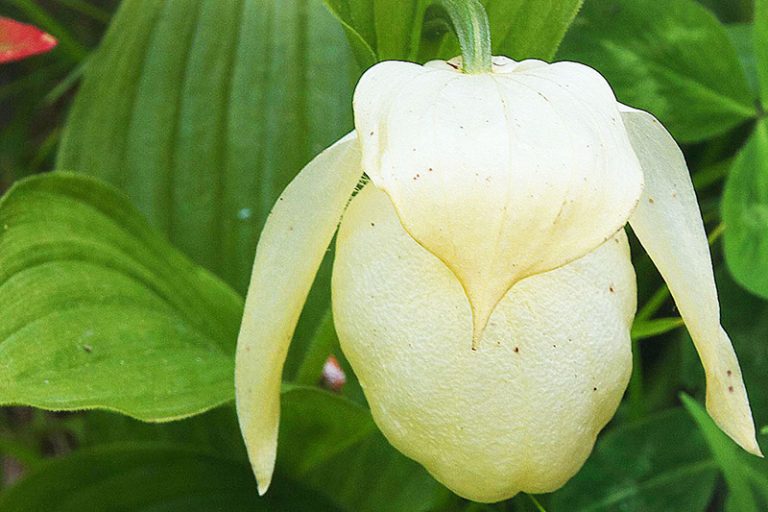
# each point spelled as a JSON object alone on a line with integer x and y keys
{"x": 392, "y": 29}
{"x": 99, "y": 311}
{"x": 203, "y": 110}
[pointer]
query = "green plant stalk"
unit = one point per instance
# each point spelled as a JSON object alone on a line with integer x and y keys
{"x": 536, "y": 503}
{"x": 469, "y": 22}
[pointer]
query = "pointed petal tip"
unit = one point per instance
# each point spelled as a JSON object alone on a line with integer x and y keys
{"x": 263, "y": 485}
{"x": 752, "y": 447}
{"x": 481, "y": 314}
{"x": 741, "y": 430}
{"x": 262, "y": 453}
{"x": 263, "y": 478}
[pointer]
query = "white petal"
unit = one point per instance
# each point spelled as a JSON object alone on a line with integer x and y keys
{"x": 290, "y": 250}
{"x": 668, "y": 223}
{"x": 521, "y": 412}
{"x": 501, "y": 175}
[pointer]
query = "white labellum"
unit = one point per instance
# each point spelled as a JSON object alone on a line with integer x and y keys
{"x": 522, "y": 411}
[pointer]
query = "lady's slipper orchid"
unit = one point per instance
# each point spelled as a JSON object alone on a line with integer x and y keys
{"x": 482, "y": 288}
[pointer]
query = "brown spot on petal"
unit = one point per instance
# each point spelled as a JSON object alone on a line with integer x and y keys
{"x": 730, "y": 389}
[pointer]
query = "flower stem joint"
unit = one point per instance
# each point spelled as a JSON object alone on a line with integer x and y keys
{"x": 482, "y": 288}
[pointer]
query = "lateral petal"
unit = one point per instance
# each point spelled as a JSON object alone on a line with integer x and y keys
{"x": 668, "y": 223}
{"x": 290, "y": 250}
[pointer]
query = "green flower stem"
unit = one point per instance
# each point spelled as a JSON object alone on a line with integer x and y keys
{"x": 469, "y": 22}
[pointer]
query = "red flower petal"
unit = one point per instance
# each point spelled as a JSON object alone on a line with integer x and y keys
{"x": 19, "y": 40}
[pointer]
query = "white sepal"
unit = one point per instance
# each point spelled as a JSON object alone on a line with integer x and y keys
{"x": 291, "y": 248}
{"x": 501, "y": 175}
{"x": 668, "y": 223}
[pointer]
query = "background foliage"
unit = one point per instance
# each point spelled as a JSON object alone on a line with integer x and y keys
{"x": 180, "y": 121}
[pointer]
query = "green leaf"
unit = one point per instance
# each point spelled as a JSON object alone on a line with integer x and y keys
{"x": 315, "y": 425}
{"x": 203, "y": 110}
{"x": 742, "y": 38}
{"x": 525, "y": 29}
{"x": 746, "y": 475}
{"x": 214, "y": 431}
{"x": 323, "y": 343}
{"x": 671, "y": 58}
{"x": 150, "y": 477}
{"x": 326, "y": 443}
{"x": 392, "y": 29}
{"x": 745, "y": 213}
{"x": 730, "y": 11}
{"x": 331, "y": 444}
{"x": 381, "y": 29}
{"x": 371, "y": 476}
{"x": 100, "y": 312}
{"x": 761, "y": 47}
{"x": 656, "y": 464}
{"x": 642, "y": 329}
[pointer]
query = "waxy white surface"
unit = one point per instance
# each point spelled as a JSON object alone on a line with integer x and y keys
{"x": 668, "y": 223}
{"x": 291, "y": 248}
{"x": 501, "y": 175}
{"x": 519, "y": 413}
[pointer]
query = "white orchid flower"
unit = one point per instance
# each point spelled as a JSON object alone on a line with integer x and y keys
{"x": 483, "y": 290}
